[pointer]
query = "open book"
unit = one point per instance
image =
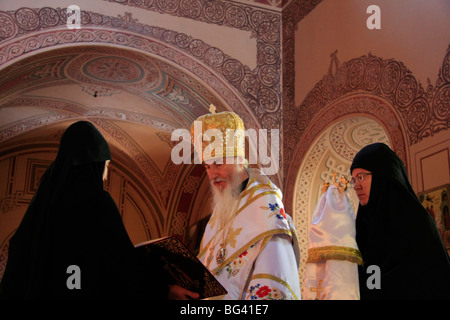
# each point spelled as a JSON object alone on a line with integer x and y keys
{"x": 182, "y": 265}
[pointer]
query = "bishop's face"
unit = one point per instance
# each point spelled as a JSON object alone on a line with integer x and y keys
{"x": 222, "y": 174}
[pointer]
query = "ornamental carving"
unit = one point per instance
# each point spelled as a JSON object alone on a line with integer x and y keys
{"x": 261, "y": 87}
{"x": 419, "y": 111}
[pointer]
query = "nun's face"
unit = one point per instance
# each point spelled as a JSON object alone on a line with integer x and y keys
{"x": 106, "y": 170}
{"x": 363, "y": 181}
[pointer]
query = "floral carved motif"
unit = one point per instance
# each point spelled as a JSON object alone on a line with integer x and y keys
{"x": 420, "y": 112}
{"x": 260, "y": 88}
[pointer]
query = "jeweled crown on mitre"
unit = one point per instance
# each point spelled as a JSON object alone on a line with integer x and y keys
{"x": 218, "y": 135}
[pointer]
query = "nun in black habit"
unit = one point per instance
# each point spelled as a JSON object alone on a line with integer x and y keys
{"x": 395, "y": 232}
{"x": 72, "y": 221}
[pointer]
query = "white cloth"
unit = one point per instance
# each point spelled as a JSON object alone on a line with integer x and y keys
{"x": 333, "y": 256}
{"x": 263, "y": 256}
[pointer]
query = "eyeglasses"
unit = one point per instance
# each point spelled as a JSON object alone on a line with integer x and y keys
{"x": 359, "y": 177}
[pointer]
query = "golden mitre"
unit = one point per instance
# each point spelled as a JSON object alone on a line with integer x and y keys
{"x": 225, "y": 126}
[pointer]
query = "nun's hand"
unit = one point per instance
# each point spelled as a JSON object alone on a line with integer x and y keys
{"x": 177, "y": 292}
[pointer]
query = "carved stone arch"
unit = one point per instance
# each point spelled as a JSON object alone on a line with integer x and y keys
{"x": 184, "y": 200}
{"x": 352, "y": 105}
{"x": 329, "y": 144}
{"x": 4, "y": 248}
{"x": 367, "y": 87}
{"x": 224, "y": 76}
{"x": 255, "y": 94}
{"x": 419, "y": 112}
{"x": 137, "y": 202}
{"x": 381, "y": 90}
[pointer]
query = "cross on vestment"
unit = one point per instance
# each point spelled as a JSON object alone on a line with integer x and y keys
{"x": 318, "y": 290}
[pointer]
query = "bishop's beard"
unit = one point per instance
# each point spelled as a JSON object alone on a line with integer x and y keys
{"x": 225, "y": 201}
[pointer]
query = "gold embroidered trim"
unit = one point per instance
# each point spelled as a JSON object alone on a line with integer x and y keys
{"x": 203, "y": 248}
{"x": 251, "y": 190}
{"x": 248, "y": 244}
{"x": 250, "y": 200}
{"x": 264, "y": 242}
{"x": 334, "y": 253}
{"x": 276, "y": 279}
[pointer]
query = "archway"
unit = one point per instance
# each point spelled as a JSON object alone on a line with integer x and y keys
{"x": 329, "y": 146}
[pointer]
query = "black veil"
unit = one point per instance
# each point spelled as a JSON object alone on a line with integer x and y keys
{"x": 397, "y": 234}
{"x": 71, "y": 220}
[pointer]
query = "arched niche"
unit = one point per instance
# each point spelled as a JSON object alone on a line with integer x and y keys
{"x": 330, "y": 145}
